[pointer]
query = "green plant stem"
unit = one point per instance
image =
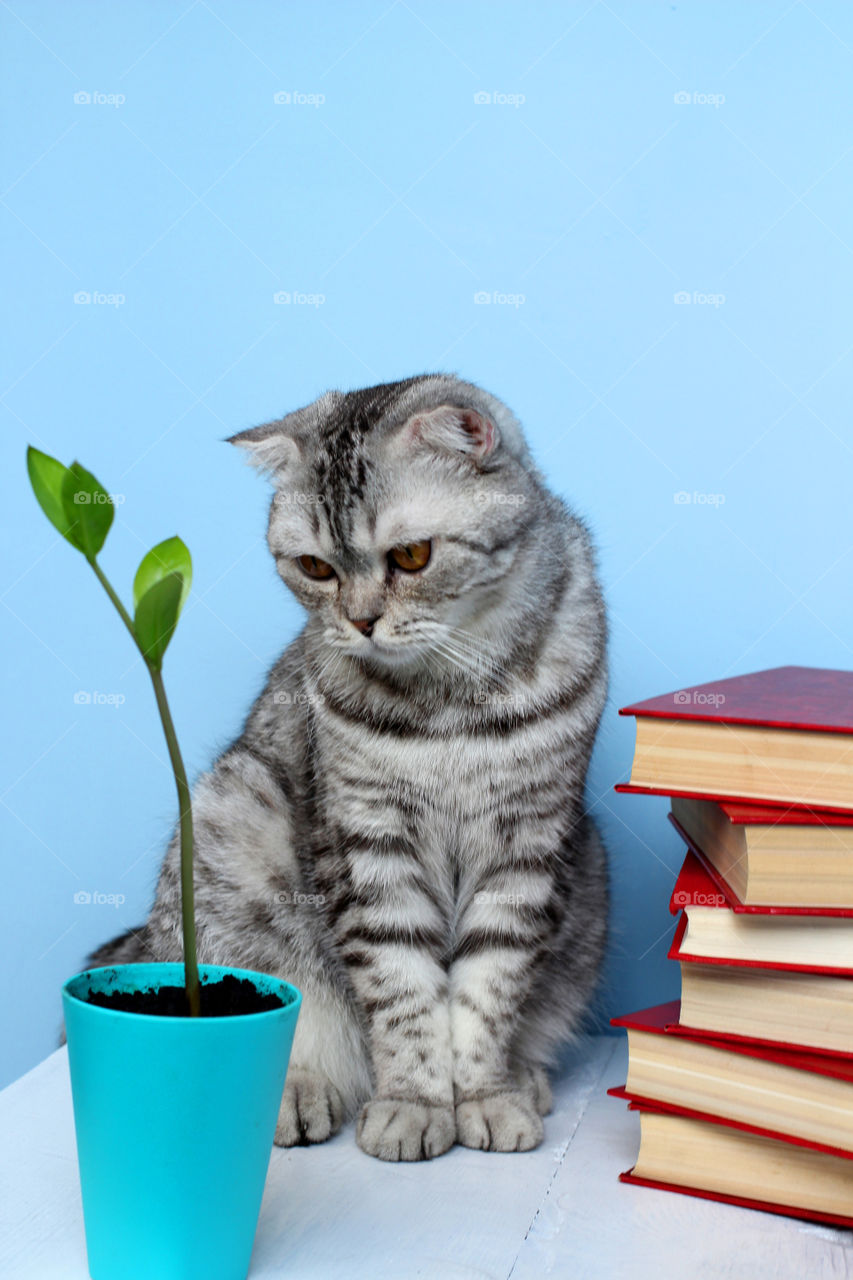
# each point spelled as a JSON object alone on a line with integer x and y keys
{"x": 186, "y": 820}
{"x": 184, "y": 806}
{"x": 122, "y": 612}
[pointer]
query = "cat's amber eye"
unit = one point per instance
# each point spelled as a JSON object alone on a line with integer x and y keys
{"x": 315, "y": 567}
{"x": 411, "y": 556}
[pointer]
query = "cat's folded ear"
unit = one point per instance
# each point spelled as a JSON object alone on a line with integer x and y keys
{"x": 278, "y": 447}
{"x": 453, "y": 430}
{"x": 273, "y": 447}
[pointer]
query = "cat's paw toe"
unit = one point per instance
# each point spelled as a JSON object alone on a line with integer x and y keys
{"x": 501, "y": 1122}
{"x": 394, "y": 1129}
{"x": 311, "y": 1110}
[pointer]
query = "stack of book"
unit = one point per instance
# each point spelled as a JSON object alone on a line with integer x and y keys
{"x": 745, "y": 1086}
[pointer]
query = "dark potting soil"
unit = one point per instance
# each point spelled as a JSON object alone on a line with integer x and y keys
{"x": 227, "y": 997}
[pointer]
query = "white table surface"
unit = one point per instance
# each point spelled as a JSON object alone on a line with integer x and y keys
{"x": 331, "y": 1212}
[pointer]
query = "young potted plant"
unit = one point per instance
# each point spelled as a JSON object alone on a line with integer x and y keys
{"x": 177, "y": 1070}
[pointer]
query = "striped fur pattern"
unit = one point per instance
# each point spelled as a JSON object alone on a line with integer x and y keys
{"x": 399, "y": 829}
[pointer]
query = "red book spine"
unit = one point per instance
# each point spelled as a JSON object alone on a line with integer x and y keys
{"x": 677, "y": 952}
{"x": 723, "y": 887}
{"x": 785, "y": 1211}
{"x": 641, "y": 1103}
{"x": 783, "y": 806}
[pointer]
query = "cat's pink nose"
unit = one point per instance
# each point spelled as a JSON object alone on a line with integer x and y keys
{"x": 364, "y": 625}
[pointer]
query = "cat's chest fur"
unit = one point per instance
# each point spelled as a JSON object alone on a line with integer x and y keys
{"x": 452, "y": 792}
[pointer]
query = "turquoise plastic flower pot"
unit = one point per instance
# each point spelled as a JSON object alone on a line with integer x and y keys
{"x": 175, "y": 1120}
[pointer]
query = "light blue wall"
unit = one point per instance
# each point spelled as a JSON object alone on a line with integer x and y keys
{"x": 399, "y": 198}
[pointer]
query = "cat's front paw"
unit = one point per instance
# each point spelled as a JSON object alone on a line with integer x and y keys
{"x": 501, "y": 1122}
{"x": 534, "y": 1082}
{"x": 311, "y": 1110}
{"x": 395, "y": 1129}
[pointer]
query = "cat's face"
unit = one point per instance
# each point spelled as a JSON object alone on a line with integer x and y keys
{"x": 398, "y": 528}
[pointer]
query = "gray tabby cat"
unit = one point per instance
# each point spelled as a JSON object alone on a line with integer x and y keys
{"x": 400, "y": 828}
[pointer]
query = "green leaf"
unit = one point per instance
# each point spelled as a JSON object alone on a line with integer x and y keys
{"x": 171, "y": 556}
{"x": 88, "y": 509}
{"x": 47, "y": 476}
{"x": 157, "y": 616}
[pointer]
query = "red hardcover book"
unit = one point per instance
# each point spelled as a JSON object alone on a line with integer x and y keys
{"x": 724, "y": 889}
{"x": 813, "y": 698}
{"x": 688, "y": 1075}
{"x": 655, "y": 1104}
{"x": 739, "y": 811}
{"x": 766, "y": 939}
{"x": 759, "y": 811}
{"x": 664, "y": 1018}
{"x": 783, "y": 736}
{"x": 702, "y": 1193}
{"x": 677, "y": 1026}
{"x": 805, "y": 1006}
